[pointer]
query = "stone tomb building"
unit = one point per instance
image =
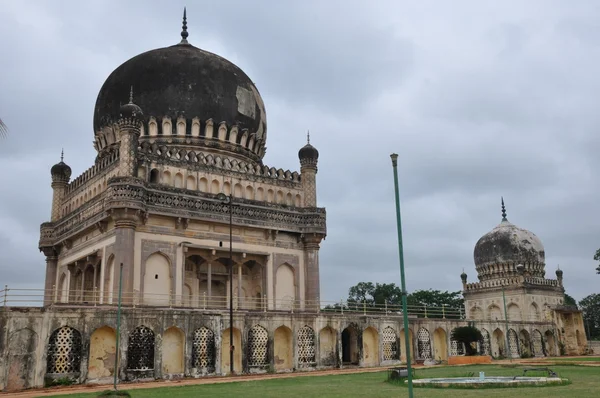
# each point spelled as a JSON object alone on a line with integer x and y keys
{"x": 180, "y": 135}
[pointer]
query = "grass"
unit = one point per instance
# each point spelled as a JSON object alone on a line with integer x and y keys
{"x": 585, "y": 383}
{"x": 576, "y": 359}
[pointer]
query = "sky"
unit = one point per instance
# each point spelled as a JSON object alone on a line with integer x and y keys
{"x": 480, "y": 99}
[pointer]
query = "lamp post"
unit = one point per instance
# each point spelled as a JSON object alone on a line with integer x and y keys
{"x": 228, "y": 199}
{"x": 506, "y": 325}
{"x": 401, "y": 253}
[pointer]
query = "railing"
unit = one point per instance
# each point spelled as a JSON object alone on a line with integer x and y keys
{"x": 95, "y": 298}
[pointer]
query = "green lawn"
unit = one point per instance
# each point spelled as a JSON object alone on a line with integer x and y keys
{"x": 575, "y": 359}
{"x": 585, "y": 383}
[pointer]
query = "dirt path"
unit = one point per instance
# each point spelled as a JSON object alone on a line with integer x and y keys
{"x": 88, "y": 388}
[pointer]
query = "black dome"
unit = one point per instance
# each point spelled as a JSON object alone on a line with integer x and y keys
{"x": 61, "y": 171}
{"x": 308, "y": 152}
{"x": 183, "y": 80}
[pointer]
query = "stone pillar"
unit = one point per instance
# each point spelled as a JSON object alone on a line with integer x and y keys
{"x": 58, "y": 193}
{"x": 51, "y": 270}
{"x": 309, "y": 183}
{"x": 311, "y": 271}
{"x": 126, "y": 222}
{"x": 129, "y": 132}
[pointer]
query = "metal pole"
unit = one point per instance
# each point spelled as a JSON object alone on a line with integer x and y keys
{"x": 116, "y": 370}
{"x": 506, "y": 325}
{"x": 231, "y": 347}
{"x": 401, "y": 254}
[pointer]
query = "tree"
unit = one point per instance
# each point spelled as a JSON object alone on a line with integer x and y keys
{"x": 467, "y": 335}
{"x": 590, "y": 306}
{"x": 570, "y": 300}
{"x": 597, "y": 258}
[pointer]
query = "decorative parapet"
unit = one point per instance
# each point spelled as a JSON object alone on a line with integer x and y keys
{"x": 514, "y": 281}
{"x": 199, "y": 160}
{"x": 100, "y": 165}
{"x": 133, "y": 193}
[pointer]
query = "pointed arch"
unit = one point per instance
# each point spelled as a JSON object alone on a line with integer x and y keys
{"x": 173, "y": 351}
{"x": 258, "y": 354}
{"x": 283, "y": 356}
{"x": 327, "y": 344}
{"x": 64, "y": 351}
{"x": 103, "y": 343}
{"x": 370, "y": 342}
{"x": 203, "y": 350}
{"x": 140, "y": 349}
{"x": 306, "y": 347}
{"x": 390, "y": 348}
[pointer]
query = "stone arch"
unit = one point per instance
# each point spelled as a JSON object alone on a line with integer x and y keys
{"x": 280, "y": 197}
{"x": 498, "y": 343}
{"x": 227, "y": 188}
{"x": 249, "y": 192}
{"x": 103, "y": 344}
{"x": 203, "y": 350}
{"x": 389, "y": 344}
{"x": 21, "y": 359}
{"x": 258, "y": 347}
{"x": 327, "y": 344}
{"x": 178, "y": 180}
{"x": 157, "y": 279}
{"x": 550, "y": 343}
{"x": 238, "y": 190}
{"x": 306, "y": 347}
{"x": 423, "y": 344}
{"x": 537, "y": 343}
{"x": 534, "y": 312}
{"x": 525, "y": 343}
{"x": 370, "y": 342}
{"x": 64, "y": 352}
{"x": 203, "y": 185}
{"x": 270, "y": 196}
{"x": 214, "y": 187}
{"x": 285, "y": 287}
{"x": 513, "y": 344}
{"x": 298, "y": 201}
{"x": 456, "y": 348}
{"x": 237, "y": 352}
{"x": 484, "y": 346}
{"x": 350, "y": 352}
{"x": 140, "y": 349}
{"x": 109, "y": 279}
{"x": 283, "y": 357}
{"x": 476, "y": 313}
{"x": 440, "y": 344}
{"x": 190, "y": 182}
{"x": 260, "y": 194}
{"x": 289, "y": 199}
{"x": 494, "y": 313}
{"x": 514, "y": 312}
{"x": 173, "y": 351}
{"x": 403, "y": 345}
{"x": 166, "y": 177}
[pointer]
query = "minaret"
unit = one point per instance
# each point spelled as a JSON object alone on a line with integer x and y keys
{"x": 61, "y": 173}
{"x": 309, "y": 157}
{"x": 130, "y": 127}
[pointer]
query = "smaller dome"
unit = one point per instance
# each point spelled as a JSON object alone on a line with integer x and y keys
{"x": 130, "y": 109}
{"x": 308, "y": 152}
{"x": 61, "y": 170}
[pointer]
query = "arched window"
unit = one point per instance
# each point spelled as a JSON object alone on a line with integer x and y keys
{"x": 154, "y": 176}
{"x": 140, "y": 349}
{"x": 64, "y": 351}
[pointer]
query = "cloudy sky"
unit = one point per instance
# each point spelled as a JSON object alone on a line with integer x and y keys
{"x": 479, "y": 99}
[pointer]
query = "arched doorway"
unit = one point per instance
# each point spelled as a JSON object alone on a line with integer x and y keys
{"x": 537, "y": 343}
{"x": 403, "y": 346}
{"x": 350, "y": 346}
{"x": 284, "y": 351}
{"x": 513, "y": 344}
{"x": 327, "y": 345}
{"x": 157, "y": 280}
{"x": 237, "y": 352}
{"x": 103, "y": 344}
{"x": 498, "y": 344}
{"x": 525, "y": 343}
{"x": 440, "y": 344}
{"x": 550, "y": 343}
{"x": 423, "y": 344}
{"x": 173, "y": 348}
{"x": 370, "y": 339}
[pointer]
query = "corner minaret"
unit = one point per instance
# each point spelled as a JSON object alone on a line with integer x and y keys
{"x": 61, "y": 173}
{"x": 309, "y": 157}
{"x": 130, "y": 127}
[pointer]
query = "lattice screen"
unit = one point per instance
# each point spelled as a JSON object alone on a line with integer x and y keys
{"x": 203, "y": 351}
{"x": 306, "y": 346}
{"x": 513, "y": 342}
{"x": 258, "y": 339}
{"x": 140, "y": 350}
{"x": 424, "y": 344}
{"x": 390, "y": 345}
{"x": 456, "y": 348}
{"x": 484, "y": 346}
{"x": 538, "y": 344}
{"x": 64, "y": 351}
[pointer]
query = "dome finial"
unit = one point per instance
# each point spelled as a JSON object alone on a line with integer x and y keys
{"x": 184, "y": 32}
{"x": 131, "y": 95}
{"x": 503, "y": 210}
{"x": 308, "y": 136}
{"x": 62, "y": 154}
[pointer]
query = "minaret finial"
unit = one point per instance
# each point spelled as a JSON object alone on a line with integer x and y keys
{"x": 308, "y": 136}
{"x": 184, "y": 32}
{"x": 62, "y": 154}
{"x": 503, "y": 210}
{"x": 131, "y": 95}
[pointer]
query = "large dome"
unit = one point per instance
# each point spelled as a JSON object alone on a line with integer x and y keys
{"x": 183, "y": 81}
{"x": 498, "y": 252}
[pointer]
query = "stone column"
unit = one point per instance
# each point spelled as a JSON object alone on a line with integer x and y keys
{"x": 59, "y": 186}
{"x": 311, "y": 271}
{"x": 51, "y": 270}
{"x": 126, "y": 222}
{"x": 209, "y": 283}
{"x": 239, "y": 289}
